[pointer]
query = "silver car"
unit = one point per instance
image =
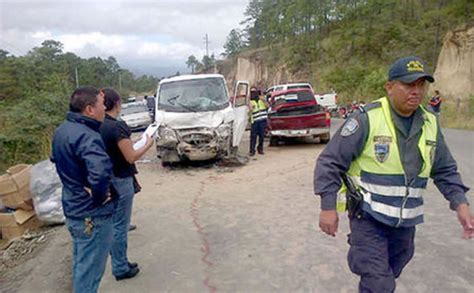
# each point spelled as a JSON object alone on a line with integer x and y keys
{"x": 136, "y": 115}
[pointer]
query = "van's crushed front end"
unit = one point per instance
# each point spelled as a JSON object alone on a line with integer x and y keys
{"x": 195, "y": 144}
{"x": 196, "y": 119}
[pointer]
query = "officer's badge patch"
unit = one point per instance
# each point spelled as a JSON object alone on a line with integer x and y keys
{"x": 350, "y": 127}
{"x": 382, "y": 147}
{"x": 415, "y": 65}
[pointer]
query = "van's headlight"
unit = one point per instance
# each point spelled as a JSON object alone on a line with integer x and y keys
{"x": 224, "y": 130}
{"x": 166, "y": 137}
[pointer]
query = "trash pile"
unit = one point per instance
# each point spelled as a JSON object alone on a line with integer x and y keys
{"x": 30, "y": 196}
{"x": 46, "y": 188}
{"x": 17, "y": 214}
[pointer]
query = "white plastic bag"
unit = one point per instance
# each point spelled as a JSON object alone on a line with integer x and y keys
{"x": 46, "y": 189}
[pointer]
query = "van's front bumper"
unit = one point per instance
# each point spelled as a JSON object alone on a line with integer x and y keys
{"x": 299, "y": 132}
{"x": 194, "y": 144}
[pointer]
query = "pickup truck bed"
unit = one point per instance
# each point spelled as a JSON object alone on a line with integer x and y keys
{"x": 297, "y": 116}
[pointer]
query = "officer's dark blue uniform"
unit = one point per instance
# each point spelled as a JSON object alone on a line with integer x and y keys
{"x": 336, "y": 159}
{"x": 379, "y": 252}
{"x": 259, "y": 122}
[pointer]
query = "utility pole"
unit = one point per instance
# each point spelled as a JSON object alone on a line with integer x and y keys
{"x": 206, "y": 41}
{"x": 77, "y": 79}
{"x": 120, "y": 81}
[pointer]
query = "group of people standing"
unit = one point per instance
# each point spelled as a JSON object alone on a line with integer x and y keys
{"x": 384, "y": 154}
{"x": 94, "y": 158}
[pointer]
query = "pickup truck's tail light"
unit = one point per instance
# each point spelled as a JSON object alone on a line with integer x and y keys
{"x": 328, "y": 119}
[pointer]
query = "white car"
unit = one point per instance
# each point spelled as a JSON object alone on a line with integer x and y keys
{"x": 328, "y": 101}
{"x": 136, "y": 115}
{"x": 288, "y": 86}
{"x": 197, "y": 120}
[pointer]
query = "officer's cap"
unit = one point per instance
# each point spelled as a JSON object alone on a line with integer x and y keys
{"x": 408, "y": 70}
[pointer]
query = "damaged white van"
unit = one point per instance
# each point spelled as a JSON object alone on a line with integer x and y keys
{"x": 197, "y": 120}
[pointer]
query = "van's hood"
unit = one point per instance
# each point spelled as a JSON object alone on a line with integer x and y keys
{"x": 178, "y": 120}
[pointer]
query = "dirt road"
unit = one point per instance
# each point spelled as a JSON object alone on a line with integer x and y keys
{"x": 251, "y": 229}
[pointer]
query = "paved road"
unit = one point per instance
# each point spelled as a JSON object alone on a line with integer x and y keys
{"x": 254, "y": 229}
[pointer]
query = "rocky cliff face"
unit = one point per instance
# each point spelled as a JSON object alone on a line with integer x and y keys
{"x": 256, "y": 68}
{"x": 454, "y": 73}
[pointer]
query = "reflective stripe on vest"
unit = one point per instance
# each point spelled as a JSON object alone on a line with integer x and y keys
{"x": 379, "y": 175}
{"x": 259, "y": 111}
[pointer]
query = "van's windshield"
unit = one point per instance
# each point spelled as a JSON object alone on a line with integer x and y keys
{"x": 196, "y": 95}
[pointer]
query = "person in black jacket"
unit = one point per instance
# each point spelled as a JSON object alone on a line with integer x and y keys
{"x": 116, "y": 135}
{"x": 85, "y": 170}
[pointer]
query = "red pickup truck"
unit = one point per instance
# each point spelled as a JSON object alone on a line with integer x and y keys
{"x": 295, "y": 113}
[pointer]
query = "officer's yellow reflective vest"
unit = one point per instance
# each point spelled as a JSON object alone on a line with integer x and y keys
{"x": 259, "y": 111}
{"x": 379, "y": 175}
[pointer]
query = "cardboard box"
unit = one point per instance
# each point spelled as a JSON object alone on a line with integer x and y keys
{"x": 14, "y": 224}
{"x": 15, "y": 188}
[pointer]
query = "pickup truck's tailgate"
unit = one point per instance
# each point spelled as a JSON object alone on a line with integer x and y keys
{"x": 301, "y": 117}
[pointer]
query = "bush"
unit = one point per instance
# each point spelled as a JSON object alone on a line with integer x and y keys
{"x": 27, "y": 128}
{"x": 357, "y": 82}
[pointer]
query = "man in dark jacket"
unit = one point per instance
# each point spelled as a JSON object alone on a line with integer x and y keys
{"x": 85, "y": 169}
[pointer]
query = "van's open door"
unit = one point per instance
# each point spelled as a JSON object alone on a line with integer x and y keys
{"x": 240, "y": 106}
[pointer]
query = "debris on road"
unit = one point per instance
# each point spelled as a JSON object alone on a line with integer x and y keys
{"x": 21, "y": 248}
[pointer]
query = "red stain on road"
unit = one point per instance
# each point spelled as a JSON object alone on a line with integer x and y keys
{"x": 194, "y": 211}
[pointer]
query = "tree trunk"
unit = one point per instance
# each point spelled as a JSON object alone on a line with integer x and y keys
{"x": 437, "y": 36}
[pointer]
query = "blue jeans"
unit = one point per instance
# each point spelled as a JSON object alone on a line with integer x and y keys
{"x": 124, "y": 187}
{"x": 257, "y": 131}
{"x": 89, "y": 251}
{"x": 378, "y": 253}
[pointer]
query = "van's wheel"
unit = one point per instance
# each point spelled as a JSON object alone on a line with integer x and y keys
{"x": 324, "y": 139}
{"x": 273, "y": 141}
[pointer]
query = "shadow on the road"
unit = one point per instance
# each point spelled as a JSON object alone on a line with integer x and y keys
{"x": 296, "y": 143}
{"x": 236, "y": 161}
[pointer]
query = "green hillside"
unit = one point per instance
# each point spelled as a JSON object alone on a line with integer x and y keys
{"x": 34, "y": 96}
{"x": 348, "y": 45}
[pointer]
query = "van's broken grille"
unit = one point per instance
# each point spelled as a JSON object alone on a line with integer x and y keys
{"x": 197, "y": 138}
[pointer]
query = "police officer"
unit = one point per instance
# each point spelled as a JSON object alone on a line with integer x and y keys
{"x": 388, "y": 150}
{"x": 258, "y": 109}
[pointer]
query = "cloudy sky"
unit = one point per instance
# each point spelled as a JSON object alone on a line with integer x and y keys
{"x": 145, "y": 36}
